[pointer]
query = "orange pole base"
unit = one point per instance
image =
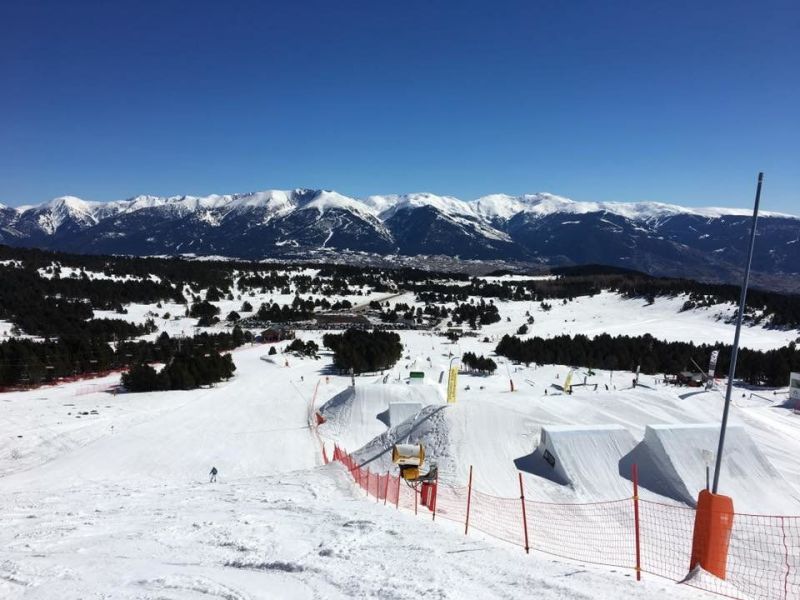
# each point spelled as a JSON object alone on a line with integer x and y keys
{"x": 712, "y": 533}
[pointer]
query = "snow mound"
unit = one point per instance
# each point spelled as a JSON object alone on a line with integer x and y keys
{"x": 356, "y": 415}
{"x": 672, "y": 462}
{"x": 584, "y": 457}
{"x": 429, "y": 427}
{"x": 485, "y": 436}
{"x": 401, "y": 411}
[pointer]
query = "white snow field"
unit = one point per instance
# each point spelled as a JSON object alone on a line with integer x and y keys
{"x": 670, "y": 458}
{"x": 596, "y": 437}
{"x": 107, "y": 496}
{"x": 90, "y": 511}
{"x": 356, "y": 415}
{"x": 584, "y": 457}
{"x": 608, "y": 312}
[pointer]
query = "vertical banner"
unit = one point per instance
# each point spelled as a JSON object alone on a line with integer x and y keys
{"x": 712, "y": 368}
{"x": 568, "y": 383}
{"x": 451, "y": 385}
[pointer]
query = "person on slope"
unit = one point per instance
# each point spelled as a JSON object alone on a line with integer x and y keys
{"x": 213, "y": 475}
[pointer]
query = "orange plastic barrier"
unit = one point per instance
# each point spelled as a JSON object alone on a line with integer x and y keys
{"x": 713, "y": 524}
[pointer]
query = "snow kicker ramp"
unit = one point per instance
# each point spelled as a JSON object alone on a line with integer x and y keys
{"x": 429, "y": 427}
{"x": 672, "y": 462}
{"x": 358, "y": 414}
{"x": 583, "y": 457}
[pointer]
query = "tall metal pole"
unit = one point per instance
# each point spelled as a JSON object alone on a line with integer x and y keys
{"x": 735, "y": 348}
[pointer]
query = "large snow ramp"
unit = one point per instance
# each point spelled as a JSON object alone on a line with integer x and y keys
{"x": 358, "y": 414}
{"x": 429, "y": 427}
{"x": 583, "y": 457}
{"x": 672, "y": 462}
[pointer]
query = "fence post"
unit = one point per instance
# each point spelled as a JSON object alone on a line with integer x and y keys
{"x": 386, "y": 490}
{"x": 397, "y": 498}
{"x": 786, "y": 560}
{"x": 469, "y": 499}
{"x": 635, "y": 477}
{"x": 524, "y": 516}
{"x": 415, "y": 498}
{"x": 377, "y": 488}
{"x": 433, "y": 495}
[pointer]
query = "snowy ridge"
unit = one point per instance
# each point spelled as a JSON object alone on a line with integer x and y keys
{"x": 477, "y": 213}
{"x": 542, "y": 229}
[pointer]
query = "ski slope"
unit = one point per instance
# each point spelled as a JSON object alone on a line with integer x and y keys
{"x": 105, "y": 494}
{"x": 91, "y": 511}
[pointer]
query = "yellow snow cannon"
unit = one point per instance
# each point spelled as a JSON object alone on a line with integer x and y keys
{"x": 409, "y": 458}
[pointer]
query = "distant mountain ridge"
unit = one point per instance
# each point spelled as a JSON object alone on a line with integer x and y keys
{"x": 542, "y": 228}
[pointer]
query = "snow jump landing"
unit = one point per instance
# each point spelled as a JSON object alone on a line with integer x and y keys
{"x": 585, "y": 458}
{"x": 672, "y": 462}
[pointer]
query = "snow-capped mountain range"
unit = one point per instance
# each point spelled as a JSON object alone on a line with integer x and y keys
{"x": 544, "y": 228}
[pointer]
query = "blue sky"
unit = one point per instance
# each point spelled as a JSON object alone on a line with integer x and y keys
{"x": 669, "y": 101}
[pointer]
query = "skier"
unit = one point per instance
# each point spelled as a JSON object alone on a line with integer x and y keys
{"x": 213, "y": 475}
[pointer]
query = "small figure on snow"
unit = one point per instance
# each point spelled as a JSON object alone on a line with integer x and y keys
{"x": 213, "y": 475}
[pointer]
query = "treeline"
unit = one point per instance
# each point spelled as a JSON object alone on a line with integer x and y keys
{"x": 61, "y": 307}
{"x": 364, "y": 351}
{"x": 27, "y": 362}
{"x": 178, "y": 271}
{"x": 186, "y": 370}
{"x": 299, "y": 310}
{"x": 479, "y": 364}
{"x": 298, "y": 346}
{"x": 770, "y": 368}
{"x": 475, "y": 314}
{"x": 776, "y": 309}
{"x": 167, "y": 280}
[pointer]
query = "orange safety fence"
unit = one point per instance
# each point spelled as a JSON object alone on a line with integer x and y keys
{"x": 763, "y": 560}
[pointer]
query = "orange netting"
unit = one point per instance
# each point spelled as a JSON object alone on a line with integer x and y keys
{"x": 763, "y": 557}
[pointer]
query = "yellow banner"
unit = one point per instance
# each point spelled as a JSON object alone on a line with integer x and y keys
{"x": 568, "y": 383}
{"x": 451, "y": 385}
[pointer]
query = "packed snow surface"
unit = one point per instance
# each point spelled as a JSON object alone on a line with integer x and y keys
{"x": 356, "y": 415}
{"x": 672, "y": 460}
{"x": 585, "y": 457}
{"x": 108, "y": 496}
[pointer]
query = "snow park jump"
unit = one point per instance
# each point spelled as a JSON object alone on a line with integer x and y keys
{"x": 583, "y": 457}
{"x": 597, "y": 463}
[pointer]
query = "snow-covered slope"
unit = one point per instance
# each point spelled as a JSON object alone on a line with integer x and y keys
{"x": 672, "y": 457}
{"x": 358, "y": 414}
{"x": 106, "y": 495}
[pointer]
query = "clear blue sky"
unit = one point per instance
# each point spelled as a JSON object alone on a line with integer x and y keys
{"x": 673, "y": 101}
